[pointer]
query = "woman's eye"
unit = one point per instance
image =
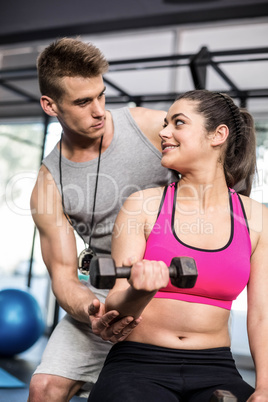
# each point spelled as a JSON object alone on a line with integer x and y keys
{"x": 178, "y": 122}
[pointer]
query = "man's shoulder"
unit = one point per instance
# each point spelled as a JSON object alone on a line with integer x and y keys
{"x": 150, "y": 122}
{"x": 45, "y": 195}
{"x": 44, "y": 181}
{"x": 142, "y": 113}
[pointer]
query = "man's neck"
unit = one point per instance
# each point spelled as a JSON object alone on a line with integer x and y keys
{"x": 88, "y": 149}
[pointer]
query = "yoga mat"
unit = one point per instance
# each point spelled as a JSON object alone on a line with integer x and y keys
{"x": 9, "y": 381}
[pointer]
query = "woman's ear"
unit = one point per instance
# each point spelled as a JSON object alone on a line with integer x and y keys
{"x": 48, "y": 105}
{"x": 220, "y": 135}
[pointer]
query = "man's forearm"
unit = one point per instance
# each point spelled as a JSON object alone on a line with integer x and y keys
{"x": 75, "y": 298}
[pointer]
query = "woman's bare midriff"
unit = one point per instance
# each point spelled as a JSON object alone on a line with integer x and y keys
{"x": 181, "y": 325}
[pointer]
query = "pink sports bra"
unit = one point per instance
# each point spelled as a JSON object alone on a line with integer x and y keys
{"x": 222, "y": 273}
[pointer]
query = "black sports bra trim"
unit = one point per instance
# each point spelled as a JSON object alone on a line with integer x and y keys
{"x": 197, "y": 248}
{"x": 244, "y": 212}
{"x": 162, "y": 201}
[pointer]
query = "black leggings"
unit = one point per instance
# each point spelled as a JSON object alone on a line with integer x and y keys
{"x": 137, "y": 372}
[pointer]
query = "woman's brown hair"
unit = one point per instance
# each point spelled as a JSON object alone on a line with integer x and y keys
{"x": 239, "y": 160}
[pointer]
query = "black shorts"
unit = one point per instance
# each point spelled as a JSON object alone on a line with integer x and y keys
{"x": 137, "y": 372}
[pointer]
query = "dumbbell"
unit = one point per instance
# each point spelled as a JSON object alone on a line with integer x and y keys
{"x": 222, "y": 396}
{"x": 103, "y": 272}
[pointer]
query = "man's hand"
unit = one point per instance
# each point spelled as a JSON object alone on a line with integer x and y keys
{"x": 107, "y": 326}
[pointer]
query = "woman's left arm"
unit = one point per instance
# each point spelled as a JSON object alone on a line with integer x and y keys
{"x": 257, "y": 318}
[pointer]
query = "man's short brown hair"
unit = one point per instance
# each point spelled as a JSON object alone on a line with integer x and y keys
{"x": 68, "y": 57}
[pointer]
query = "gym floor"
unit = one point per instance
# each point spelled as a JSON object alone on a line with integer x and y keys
{"x": 23, "y": 365}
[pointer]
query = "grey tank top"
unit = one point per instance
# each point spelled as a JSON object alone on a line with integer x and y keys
{"x": 130, "y": 163}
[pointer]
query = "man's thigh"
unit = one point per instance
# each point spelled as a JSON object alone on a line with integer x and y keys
{"x": 74, "y": 352}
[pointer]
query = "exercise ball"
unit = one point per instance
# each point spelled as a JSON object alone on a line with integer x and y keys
{"x": 21, "y": 321}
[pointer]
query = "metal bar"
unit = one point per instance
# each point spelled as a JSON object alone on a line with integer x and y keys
{"x": 223, "y": 75}
{"x": 17, "y": 91}
{"x": 5, "y": 74}
{"x": 31, "y": 261}
{"x": 243, "y": 60}
{"x": 111, "y": 84}
{"x": 19, "y": 73}
{"x": 31, "y": 73}
{"x": 235, "y": 52}
{"x": 113, "y": 99}
{"x": 18, "y": 103}
{"x": 170, "y": 97}
{"x": 18, "y": 139}
{"x": 238, "y": 52}
{"x": 199, "y": 71}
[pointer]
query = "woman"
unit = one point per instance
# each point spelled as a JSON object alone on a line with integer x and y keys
{"x": 181, "y": 349}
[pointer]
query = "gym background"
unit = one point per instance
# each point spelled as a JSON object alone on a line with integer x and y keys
{"x": 157, "y": 49}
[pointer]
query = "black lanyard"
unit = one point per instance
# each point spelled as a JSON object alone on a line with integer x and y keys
{"x": 95, "y": 192}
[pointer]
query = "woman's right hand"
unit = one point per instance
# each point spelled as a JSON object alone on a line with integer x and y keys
{"x": 149, "y": 275}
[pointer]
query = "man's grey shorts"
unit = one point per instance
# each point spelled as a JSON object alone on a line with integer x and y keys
{"x": 74, "y": 352}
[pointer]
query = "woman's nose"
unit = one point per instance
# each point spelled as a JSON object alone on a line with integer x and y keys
{"x": 165, "y": 132}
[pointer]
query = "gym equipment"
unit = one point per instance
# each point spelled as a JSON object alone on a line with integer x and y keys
{"x": 222, "y": 396}
{"x": 21, "y": 321}
{"x": 103, "y": 272}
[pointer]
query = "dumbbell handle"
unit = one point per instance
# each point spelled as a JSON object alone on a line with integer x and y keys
{"x": 125, "y": 272}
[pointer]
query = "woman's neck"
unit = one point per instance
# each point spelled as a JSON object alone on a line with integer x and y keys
{"x": 204, "y": 194}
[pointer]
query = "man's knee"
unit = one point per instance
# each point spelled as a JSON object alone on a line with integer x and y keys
{"x": 52, "y": 388}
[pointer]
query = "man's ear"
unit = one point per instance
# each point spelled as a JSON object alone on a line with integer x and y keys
{"x": 220, "y": 135}
{"x": 48, "y": 105}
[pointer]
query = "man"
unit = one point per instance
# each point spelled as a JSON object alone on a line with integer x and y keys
{"x": 103, "y": 156}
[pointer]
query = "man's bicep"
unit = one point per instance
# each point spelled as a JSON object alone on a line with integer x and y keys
{"x": 58, "y": 246}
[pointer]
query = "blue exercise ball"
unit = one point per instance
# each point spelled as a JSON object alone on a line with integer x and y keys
{"x": 21, "y": 321}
